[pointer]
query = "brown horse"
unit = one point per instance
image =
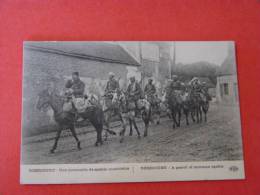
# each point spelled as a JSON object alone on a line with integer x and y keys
{"x": 66, "y": 119}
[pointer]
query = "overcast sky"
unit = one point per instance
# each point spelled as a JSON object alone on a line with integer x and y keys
{"x": 189, "y": 52}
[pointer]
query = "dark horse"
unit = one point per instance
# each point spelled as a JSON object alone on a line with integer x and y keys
{"x": 175, "y": 105}
{"x": 187, "y": 106}
{"x": 66, "y": 119}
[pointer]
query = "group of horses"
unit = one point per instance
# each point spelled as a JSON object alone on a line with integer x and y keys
{"x": 126, "y": 111}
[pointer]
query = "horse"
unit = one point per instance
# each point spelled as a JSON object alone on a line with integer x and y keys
{"x": 175, "y": 106}
{"x": 155, "y": 103}
{"x": 111, "y": 109}
{"x": 128, "y": 109}
{"x": 201, "y": 105}
{"x": 187, "y": 106}
{"x": 66, "y": 118}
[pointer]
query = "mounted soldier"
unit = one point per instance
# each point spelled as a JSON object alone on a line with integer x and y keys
{"x": 134, "y": 93}
{"x": 172, "y": 87}
{"x": 111, "y": 87}
{"x": 195, "y": 85}
{"x": 75, "y": 91}
{"x": 112, "y": 84}
{"x": 198, "y": 89}
{"x": 150, "y": 91}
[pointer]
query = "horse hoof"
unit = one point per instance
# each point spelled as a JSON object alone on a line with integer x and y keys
{"x": 139, "y": 137}
{"x": 130, "y": 134}
{"x": 121, "y": 140}
{"x": 145, "y": 135}
{"x": 52, "y": 151}
{"x": 79, "y": 147}
{"x": 96, "y": 144}
{"x": 158, "y": 123}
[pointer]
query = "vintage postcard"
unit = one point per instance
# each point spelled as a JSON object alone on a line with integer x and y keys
{"x": 123, "y": 111}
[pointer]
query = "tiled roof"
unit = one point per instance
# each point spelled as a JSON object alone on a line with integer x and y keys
{"x": 100, "y": 51}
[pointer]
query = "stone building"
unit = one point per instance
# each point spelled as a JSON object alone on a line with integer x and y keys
{"x": 46, "y": 61}
{"x": 227, "y": 88}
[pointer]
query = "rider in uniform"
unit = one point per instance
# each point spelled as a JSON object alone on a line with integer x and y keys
{"x": 75, "y": 86}
{"x": 196, "y": 87}
{"x": 134, "y": 92}
{"x": 173, "y": 85}
{"x": 75, "y": 91}
{"x": 112, "y": 84}
{"x": 111, "y": 87}
{"x": 150, "y": 91}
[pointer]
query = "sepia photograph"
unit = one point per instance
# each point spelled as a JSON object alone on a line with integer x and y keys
{"x": 129, "y": 107}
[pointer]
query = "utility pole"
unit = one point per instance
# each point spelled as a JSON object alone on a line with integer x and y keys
{"x": 141, "y": 62}
{"x": 172, "y": 65}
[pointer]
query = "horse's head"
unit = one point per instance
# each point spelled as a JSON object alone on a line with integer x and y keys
{"x": 43, "y": 100}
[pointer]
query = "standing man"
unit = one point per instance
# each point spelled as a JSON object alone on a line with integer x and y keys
{"x": 150, "y": 91}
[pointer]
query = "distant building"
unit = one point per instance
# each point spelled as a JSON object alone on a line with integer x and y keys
{"x": 155, "y": 58}
{"x": 227, "y": 88}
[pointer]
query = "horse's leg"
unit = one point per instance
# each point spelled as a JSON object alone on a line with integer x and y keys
{"x": 186, "y": 112}
{"x": 174, "y": 119}
{"x": 205, "y": 113}
{"x": 136, "y": 128}
{"x": 197, "y": 113}
{"x": 179, "y": 117}
{"x": 201, "y": 113}
{"x": 122, "y": 134}
{"x": 56, "y": 140}
{"x": 96, "y": 119}
{"x": 130, "y": 125}
{"x": 107, "y": 122}
{"x": 99, "y": 135}
{"x": 146, "y": 123}
{"x": 72, "y": 129}
{"x": 152, "y": 115}
{"x": 158, "y": 117}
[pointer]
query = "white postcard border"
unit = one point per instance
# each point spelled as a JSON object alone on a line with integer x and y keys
{"x": 131, "y": 172}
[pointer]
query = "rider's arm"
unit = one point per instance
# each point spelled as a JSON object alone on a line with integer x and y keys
{"x": 68, "y": 84}
{"x": 106, "y": 89}
{"x": 117, "y": 85}
{"x": 153, "y": 89}
{"x": 145, "y": 88}
{"x": 80, "y": 90}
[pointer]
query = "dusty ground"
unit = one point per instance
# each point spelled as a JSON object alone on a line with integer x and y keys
{"x": 218, "y": 139}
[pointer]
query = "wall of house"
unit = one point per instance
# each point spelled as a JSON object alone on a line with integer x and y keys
{"x": 226, "y": 89}
{"x": 41, "y": 67}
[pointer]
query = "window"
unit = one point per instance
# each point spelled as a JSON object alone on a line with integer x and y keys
{"x": 236, "y": 91}
{"x": 225, "y": 88}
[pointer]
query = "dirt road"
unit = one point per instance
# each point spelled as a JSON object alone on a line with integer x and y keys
{"x": 218, "y": 139}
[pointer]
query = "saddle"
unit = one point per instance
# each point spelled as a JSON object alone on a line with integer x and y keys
{"x": 79, "y": 103}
